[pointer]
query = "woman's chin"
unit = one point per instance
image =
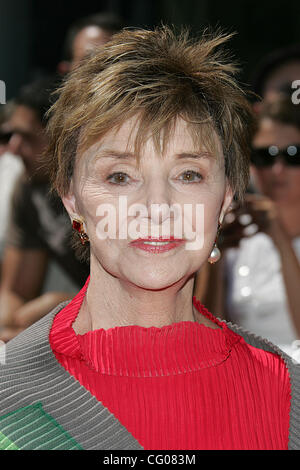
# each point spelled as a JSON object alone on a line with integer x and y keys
{"x": 154, "y": 281}
{"x": 159, "y": 285}
{"x": 149, "y": 274}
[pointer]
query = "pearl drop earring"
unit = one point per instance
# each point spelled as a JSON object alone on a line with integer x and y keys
{"x": 215, "y": 254}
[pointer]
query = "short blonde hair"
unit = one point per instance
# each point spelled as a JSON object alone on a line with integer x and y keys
{"x": 158, "y": 75}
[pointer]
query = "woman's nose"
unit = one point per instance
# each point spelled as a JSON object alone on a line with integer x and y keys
{"x": 158, "y": 200}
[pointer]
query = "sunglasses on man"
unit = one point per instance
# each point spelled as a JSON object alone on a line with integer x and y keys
{"x": 267, "y": 156}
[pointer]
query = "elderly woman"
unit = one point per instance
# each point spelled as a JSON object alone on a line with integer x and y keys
{"x": 148, "y": 147}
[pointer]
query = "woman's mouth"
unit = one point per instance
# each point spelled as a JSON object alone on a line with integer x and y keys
{"x": 159, "y": 245}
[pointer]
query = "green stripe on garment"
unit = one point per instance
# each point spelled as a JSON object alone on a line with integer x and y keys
{"x": 6, "y": 444}
{"x": 31, "y": 428}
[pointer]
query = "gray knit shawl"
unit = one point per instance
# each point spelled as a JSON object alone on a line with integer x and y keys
{"x": 63, "y": 414}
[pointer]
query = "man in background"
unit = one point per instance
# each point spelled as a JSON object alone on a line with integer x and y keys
{"x": 86, "y": 34}
{"x": 39, "y": 229}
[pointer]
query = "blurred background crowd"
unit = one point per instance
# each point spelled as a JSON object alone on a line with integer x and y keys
{"x": 256, "y": 283}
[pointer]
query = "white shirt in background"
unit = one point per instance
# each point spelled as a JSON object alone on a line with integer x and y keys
{"x": 256, "y": 297}
{"x": 11, "y": 168}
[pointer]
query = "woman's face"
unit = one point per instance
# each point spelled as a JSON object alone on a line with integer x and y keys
{"x": 279, "y": 182}
{"x": 107, "y": 180}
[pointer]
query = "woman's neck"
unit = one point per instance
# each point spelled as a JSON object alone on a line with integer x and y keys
{"x": 110, "y": 302}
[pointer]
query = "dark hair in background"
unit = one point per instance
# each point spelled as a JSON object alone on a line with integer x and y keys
{"x": 38, "y": 96}
{"x": 107, "y": 21}
{"x": 282, "y": 110}
{"x": 270, "y": 63}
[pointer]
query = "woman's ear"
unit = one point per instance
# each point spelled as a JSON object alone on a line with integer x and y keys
{"x": 69, "y": 201}
{"x": 228, "y": 197}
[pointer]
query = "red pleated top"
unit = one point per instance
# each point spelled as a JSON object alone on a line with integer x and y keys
{"x": 184, "y": 386}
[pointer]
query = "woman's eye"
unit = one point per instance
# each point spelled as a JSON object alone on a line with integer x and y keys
{"x": 190, "y": 176}
{"x": 118, "y": 178}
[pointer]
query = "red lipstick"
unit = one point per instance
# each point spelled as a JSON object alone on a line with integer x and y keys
{"x": 163, "y": 244}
